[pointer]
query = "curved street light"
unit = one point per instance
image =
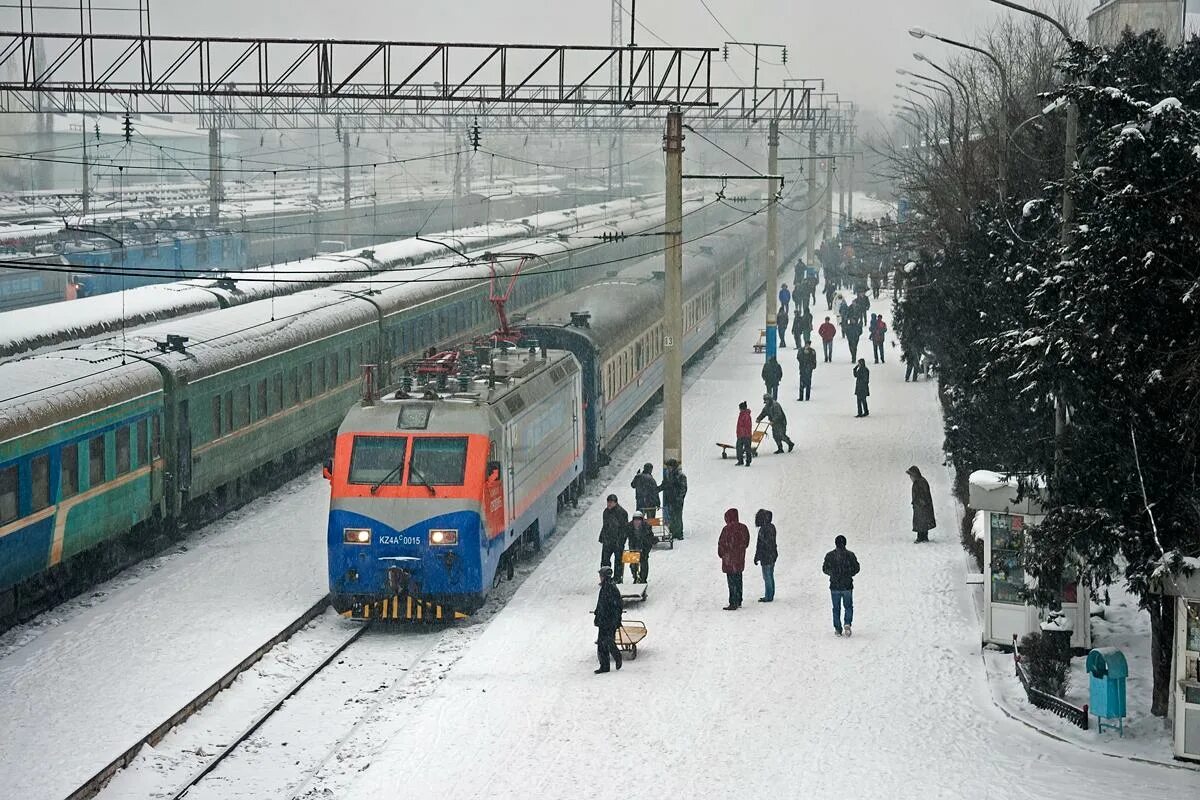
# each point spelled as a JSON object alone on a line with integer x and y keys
{"x": 1002, "y": 133}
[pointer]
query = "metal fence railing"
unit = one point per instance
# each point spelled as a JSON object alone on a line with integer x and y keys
{"x": 1068, "y": 711}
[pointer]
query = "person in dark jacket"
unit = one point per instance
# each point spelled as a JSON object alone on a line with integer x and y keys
{"x": 774, "y": 412}
{"x": 772, "y": 374}
{"x": 911, "y": 356}
{"x": 844, "y": 314}
{"x": 645, "y": 490}
{"x": 841, "y": 565}
{"x": 766, "y": 553}
{"x": 862, "y": 387}
{"x": 608, "y": 619}
{"x": 731, "y": 549}
{"x": 859, "y": 308}
{"x": 805, "y": 320}
{"x": 785, "y": 296}
{"x": 745, "y": 449}
{"x": 674, "y": 489}
{"x": 853, "y": 332}
{"x": 830, "y": 292}
{"x": 808, "y": 363}
{"x": 922, "y": 505}
{"x": 613, "y": 531}
{"x": 641, "y": 541}
{"x": 809, "y": 289}
{"x": 781, "y": 325}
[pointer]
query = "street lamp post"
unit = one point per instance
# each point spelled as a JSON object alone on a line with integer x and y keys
{"x": 1002, "y": 133}
{"x": 966, "y": 102}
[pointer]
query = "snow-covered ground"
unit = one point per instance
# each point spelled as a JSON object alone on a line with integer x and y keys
{"x": 764, "y": 701}
{"x": 88, "y": 679}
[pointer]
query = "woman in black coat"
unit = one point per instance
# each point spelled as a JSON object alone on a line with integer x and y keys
{"x": 922, "y": 505}
{"x": 862, "y": 387}
{"x": 766, "y": 553}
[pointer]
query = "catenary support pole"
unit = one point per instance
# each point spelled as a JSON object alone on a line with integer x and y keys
{"x": 770, "y": 265}
{"x": 673, "y": 296}
{"x": 346, "y": 185}
{"x": 86, "y": 192}
{"x": 810, "y": 211}
{"x": 214, "y": 175}
{"x": 850, "y": 189}
{"x": 829, "y": 168}
{"x": 843, "y": 189}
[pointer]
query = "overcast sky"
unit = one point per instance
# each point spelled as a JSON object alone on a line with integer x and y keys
{"x": 855, "y": 44}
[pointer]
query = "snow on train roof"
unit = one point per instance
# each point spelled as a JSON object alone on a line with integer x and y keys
{"x": 24, "y": 330}
{"x": 47, "y": 390}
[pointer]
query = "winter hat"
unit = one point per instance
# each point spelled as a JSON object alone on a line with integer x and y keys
{"x": 612, "y": 497}
{"x": 606, "y": 572}
{"x": 647, "y": 467}
{"x": 766, "y": 397}
{"x": 742, "y": 405}
{"x": 913, "y": 470}
{"x": 839, "y": 541}
{"x": 638, "y": 515}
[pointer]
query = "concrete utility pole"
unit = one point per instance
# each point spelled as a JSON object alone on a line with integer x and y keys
{"x": 86, "y": 193}
{"x": 810, "y": 212}
{"x": 346, "y": 183}
{"x": 215, "y": 193}
{"x": 850, "y": 188}
{"x": 829, "y": 167}
{"x": 673, "y": 294}
{"x": 771, "y": 262}
{"x": 842, "y": 190}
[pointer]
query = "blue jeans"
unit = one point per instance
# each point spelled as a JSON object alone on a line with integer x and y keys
{"x": 840, "y": 596}
{"x": 768, "y": 581}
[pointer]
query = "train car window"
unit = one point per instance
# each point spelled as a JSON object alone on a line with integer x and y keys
{"x": 96, "y": 461}
{"x": 321, "y": 384}
{"x": 261, "y": 399}
{"x": 228, "y": 418}
{"x": 123, "y": 454}
{"x": 216, "y": 416}
{"x": 306, "y": 378}
{"x": 69, "y": 474}
{"x": 378, "y": 459}
{"x": 8, "y": 494}
{"x": 351, "y": 367}
{"x": 293, "y": 386}
{"x": 39, "y": 467}
{"x": 241, "y": 410}
{"x": 438, "y": 462}
{"x": 155, "y": 437}
{"x": 335, "y": 378}
{"x": 143, "y": 441}
{"x": 276, "y": 392}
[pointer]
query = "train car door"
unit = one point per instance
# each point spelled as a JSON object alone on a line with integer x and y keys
{"x": 183, "y": 451}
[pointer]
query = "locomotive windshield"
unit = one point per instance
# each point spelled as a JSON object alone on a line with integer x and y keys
{"x": 378, "y": 460}
{"x": 440, "y": 461}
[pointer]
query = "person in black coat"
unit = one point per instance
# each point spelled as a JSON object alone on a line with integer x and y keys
{"x": 645, "y": 490}
{"x": 766, "y": 553}
{"x": 608, "y": 619}
{"x": 841, "y": 565}
{"x": 862, "y": 387}
{"x": 641, "y": 540}
{"x": 674, "y": 489}
{"x": 807, "y": 359}
{"x": 772, "y": 374}
{"x": 774, "y": 412}
{"x": 781, "y": 325}
{"x": 614, "y": 529}
{"x": 853, "y": 332}
{"x": 922, "y": 505}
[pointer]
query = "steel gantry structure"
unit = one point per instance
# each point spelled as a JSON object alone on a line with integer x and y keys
{"x": 230, "y": 82}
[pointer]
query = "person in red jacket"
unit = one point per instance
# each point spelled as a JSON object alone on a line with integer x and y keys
{"x": 744, "y": 429}
{"x": 731, "y": 547}
{"x": 827, "y": 331}
{"x": 878, "y": 331}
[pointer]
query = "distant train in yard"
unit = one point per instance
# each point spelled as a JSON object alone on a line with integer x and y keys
{"x": 440, "y": 487}
{"x": 107, "y": 447}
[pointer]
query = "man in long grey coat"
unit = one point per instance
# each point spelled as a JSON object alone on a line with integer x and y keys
{"x": 922, "y": 505}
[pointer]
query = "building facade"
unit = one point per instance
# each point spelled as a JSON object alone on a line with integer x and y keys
{"x": 1110, "y": 18}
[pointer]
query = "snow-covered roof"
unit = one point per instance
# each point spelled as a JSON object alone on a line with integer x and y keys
{"x": 995, "y": 491}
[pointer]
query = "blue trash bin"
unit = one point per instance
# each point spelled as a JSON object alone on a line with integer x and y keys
{"x": 1106, "y": 687}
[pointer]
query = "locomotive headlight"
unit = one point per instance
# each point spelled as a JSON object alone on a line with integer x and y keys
{"x": 356, "y": 535}
{"x": 443, "y": 537}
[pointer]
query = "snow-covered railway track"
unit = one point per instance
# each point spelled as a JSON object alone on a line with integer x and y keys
{"x": 97, "y": 781}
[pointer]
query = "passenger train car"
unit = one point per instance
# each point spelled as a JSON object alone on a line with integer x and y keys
{"x": 431, "y": 494}
{"x": 107, "y": 446}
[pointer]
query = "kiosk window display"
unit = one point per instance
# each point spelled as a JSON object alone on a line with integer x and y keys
{"x": 1008, "y": 579}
